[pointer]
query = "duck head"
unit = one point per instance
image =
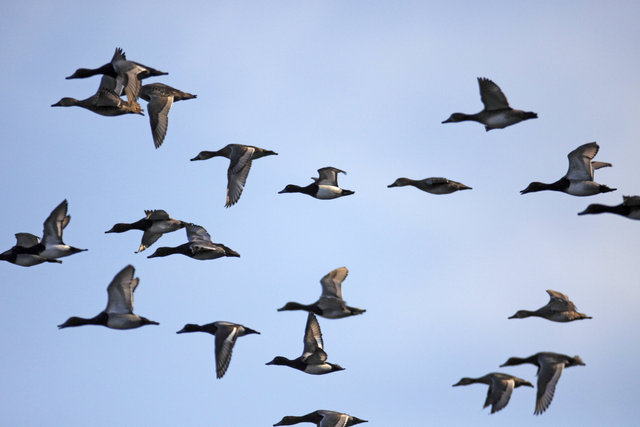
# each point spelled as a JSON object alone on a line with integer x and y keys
{"x": 400, "y": 182}
{"x": 65, "y": 102}
{"x": 456, "y": 117}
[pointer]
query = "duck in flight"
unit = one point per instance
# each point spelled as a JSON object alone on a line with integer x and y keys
{"x": 240, "y": 157}
{"x": 578, "y": 181}
{"x": 314, "y": 359}
{"x": 431, "y": 185}
{"x": 105, "y": 101}
{"x": 154, "y": 224}
{"x": 558, "y": 309}
{"x": 226, "y": 334}
{"x": 19, "y": 255}
{"x": 322, "y": 418}
{"x": 126, "y": 73}
{"x": 496, "y": 113}
{"x": 330, "y": 305}
{"x": 630, "y": 208}
{"x": 550, "y": 367}
{"x": 500, "y": 388}
{"x": 160, "y": 98}
{"x": 119, "y": 311}
{"x": 325, "y": 187}
{"x": 199, "y": 246}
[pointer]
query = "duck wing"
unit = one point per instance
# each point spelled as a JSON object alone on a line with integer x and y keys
{"x": 226, "y": 336}
{"x": 491, "y": 95}
{"x": 328, "y": 176}
{"x": 120, "y": 291}
{"x": 54, "y": 224}
{"x": 110, "y": 84}
{"x": 580, "y": 162}
{"x": 631, "y": 200}
{"x": 127, "y": 74}
{"x": 332, "y": 283}
{"x": 333, "y": 419}
{"x": 499, "y": 393}
{"x": 157, "y": 215}
{"x": 313, "y": 339}
{"x": 197, "y": 233}
{"x": 559, "y": 301}
{"x": 237, "y": 173}
{"x": 26, "y": 240}
{"x": 548, "y": 377}
{"x": 158, "y": 109}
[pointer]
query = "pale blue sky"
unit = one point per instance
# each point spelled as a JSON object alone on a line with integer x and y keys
{"x": 362, "y": 86}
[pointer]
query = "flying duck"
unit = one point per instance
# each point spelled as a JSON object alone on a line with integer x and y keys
{"x": 558, "y": 309}
{"x": 496, "y": 113}
{"x": 226, "y": 334}
{"x": 324, "y": 187}
{"x": 630, "y": 207}
{"x": 119, "y": 311}
{"x": 578, "y": 181}
{"x": 500, "y": 388}
{"x": 313, "y": 359}
{"x": 550, "y": 367}
{"x": 240, "y": 157}
{"x": 19, "y": 253}
{"x": 105, "y": 101}
{"x": 431, "y": 185}
{"x": 322, "y": 418}
{"x": 330, "y": 305}
{"x": 199, "y": 246}
{"x": 160, "y": 98}
{"x": 155, "y": 224}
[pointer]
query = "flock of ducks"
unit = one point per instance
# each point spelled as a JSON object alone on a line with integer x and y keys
{"x": 121, "y": 76}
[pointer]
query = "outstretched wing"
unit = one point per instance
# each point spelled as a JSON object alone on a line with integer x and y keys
{"x": 158, "y": 109}
{"x": 120, "y": 291}
{"x": 226, "y": 337}
{"x": 547, "y": 379}
{"x": 491, "y": 95}
{"x": 238, "y": 172}
{"x": 328, "y": 176}
{"x": 332, "y": 283}
{"x": 312, "y": 337}
{"x": 197, "y": 233}
{"x": 580, "y": 162}
{"x": 54, "y": 224}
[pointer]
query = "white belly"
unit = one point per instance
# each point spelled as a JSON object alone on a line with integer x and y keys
{"x": 318, "y": 369}
{"x": 123, "y": 321}
{"x": 328, "y": 192}
{"x": 583, "y": 188}
{"x": 55, "y": 251}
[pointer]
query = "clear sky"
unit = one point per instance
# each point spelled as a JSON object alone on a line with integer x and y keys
{"x": 358, "y": 85}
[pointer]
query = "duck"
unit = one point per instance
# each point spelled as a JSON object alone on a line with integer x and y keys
{"x": 119, "y": 311}
{"x": 127, "y": 74}
{"x": 322, "y": 418}
{"x": 314, "y": 359}
{"x": 431, "y": 185}
{"x": 630, "y": 208}
{"x": 226, "y": 334}
{"x": 160, "y": 98}
{"x": 550, "y": 366}
{"x": 496, "y": 113}
{"x": 558, "y": 309}
{"x": 198, "y": 247}
{"x": 500, "y": 388}
{"x": 51, "y": 246}
{"x": 19, "y": 255}
{"x": 105, "y": 101}
{"x": 330, "y": 305}
{"x": 240, "y": 157}
{"x": 324, "y": 187}
{"x": 578, "y": 181}
{"x": 155, "y": 223}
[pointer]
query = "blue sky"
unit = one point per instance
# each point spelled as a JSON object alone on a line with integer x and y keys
{"x": 361, "y": 86}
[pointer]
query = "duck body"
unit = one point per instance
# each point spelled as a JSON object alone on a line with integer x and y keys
{"x": 198, "y": 247}
{"x": 119, "y": 311}
{"x": 630, "y": 208}
{"x": 578, "y": 181}
{"x": 331, "y": 305}
{"x": 324, "y": 187}
{"x": 497, "y": 114}
{"x": 155, "y": 224}
{"x": 241, "y": 158}
{"x": 501, "y": 387}
{"x": 25, "y": 252}
{"x": 314, "y": 359}
{"x": 105, "y": 101}
{"x": 431, "y": 185}
{"x": 322, "y": 418}
{"x": 558, "y": 309}
{"x": 226, "y": 334}
{"x": 160, "y": 98}
{"x": 550, "y": 366}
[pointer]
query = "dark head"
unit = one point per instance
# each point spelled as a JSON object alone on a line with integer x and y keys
{"x": 520, "y": 382}
{"x": 291, "y": 306}
{"x": 190, "y": 327}
{"x": 533, "y": 187}
{"x": 291, "y": 188}
{"x": 512, "y": 361}
{"x": 605, "y": 189}
{"x": 464, "y": 381}
{"x": 520, "y": 314}
{"x": 230, "y": 252}
{"x": 80, "y": 73}
{"x": 400, "y": 182}
{"x": 121, "y": 227}
{"x": 263, "y": 153}
{"x": 288, "y": 421}
{"x": 65, "y": 102}
{"x": 575, "y": 361}
{"x": 456, "y": 117}
{"x": 347, "y": 192}
{"x": 162, "y": 251}
{"x": 594, "y": 209}
{"x": 355, "y": 421}
{"x": 526, "y": 115}
{"x": 145, "y": 321}
{"x": 100, "y": 319}
{"x": 279, "y": 360}
{"x": 356, "y": 311}
{"x": 335, "y": 367}
{"x": 250, "y": 331}
{"x": 76, "y": 250}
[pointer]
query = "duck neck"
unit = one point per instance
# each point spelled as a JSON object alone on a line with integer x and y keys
{"x": 292, "y": 306}
{"x": 100, "y": 319}
{"x": 122, "y": 227}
